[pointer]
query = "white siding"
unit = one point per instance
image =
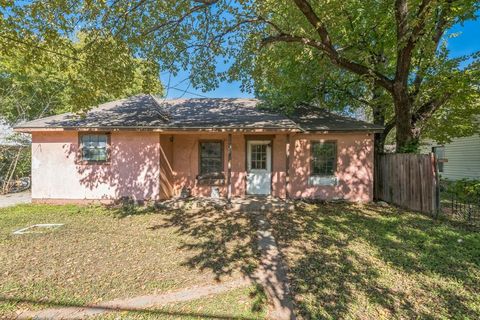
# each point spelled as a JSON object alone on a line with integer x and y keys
{"x": 463, "y": 156}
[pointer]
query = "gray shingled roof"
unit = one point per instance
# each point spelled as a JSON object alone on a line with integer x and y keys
{"x": 137, "y": 111}
{"x": 146, "y": 111}
{"x": 322, "y": 120}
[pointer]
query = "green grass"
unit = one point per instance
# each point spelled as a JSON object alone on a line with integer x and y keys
{"x": 100, "y": 254}
{"x": 368, "y": 262}
{"x": 344, "y": 261}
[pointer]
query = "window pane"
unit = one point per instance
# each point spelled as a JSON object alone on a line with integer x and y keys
{"x": 323, "y": 158}
{"x": 86, "y": 154}
{"x": 95, "y": 154}
{"x": 102, "y": 138}
{"x": 211, "y": 157}
{"x": 102, "y": 144}
{"x": 102, "y": 154}
{"x": 94, "y": 147}
{"x": 258, "y": 156}
{"x": 211, "y": 149}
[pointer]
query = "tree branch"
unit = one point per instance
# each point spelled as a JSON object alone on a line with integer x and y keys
{"x": 204, "y": 4}
{"x": 326, "y": 46}
{"x": 317, "y": 24}
{"x": 389, "y": 126}
{"x": 429, "y": 108}
{"x": 346, "y": 64}
{"x": 348, "y": 92}
{"x": 421, "y": 15}
{"x": 407, "y": 37}
{"x": 424, "y": 112}
{"x": 439, "y": 30}
{"x": 132, "y": 9}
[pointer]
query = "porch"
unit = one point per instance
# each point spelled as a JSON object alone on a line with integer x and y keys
{"x": 224, "y": 165}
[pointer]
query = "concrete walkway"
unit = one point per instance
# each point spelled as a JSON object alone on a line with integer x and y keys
{"x": 11, "y": 199}
{"x": 271, "y": 274}
{"x": 133, "y": 304}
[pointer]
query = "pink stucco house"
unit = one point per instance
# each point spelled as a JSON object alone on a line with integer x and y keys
{"x": 154, "y": 149}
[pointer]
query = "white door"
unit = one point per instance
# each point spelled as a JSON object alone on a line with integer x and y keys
{"x": 259, "y": 167}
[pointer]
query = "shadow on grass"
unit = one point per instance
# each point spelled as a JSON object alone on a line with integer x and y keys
{"x": 339, "y": 254}
{"x": 218, "y": 241}
{"x": 99, "y": 310}
{"x": 222, "y": 242}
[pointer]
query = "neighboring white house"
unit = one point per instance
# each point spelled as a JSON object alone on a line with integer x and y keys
{"x": 462, "y": 154}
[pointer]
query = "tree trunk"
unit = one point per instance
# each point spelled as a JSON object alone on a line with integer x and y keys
{"x": 379, "y": 143}
{"x": 378, "y": 111}
{"x": 403, "y": 118}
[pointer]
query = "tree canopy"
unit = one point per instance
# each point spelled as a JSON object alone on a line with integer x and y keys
{"x": 39, "y": 79}
{"x": 291, "y": 75}
{"x": 386, "y": 56}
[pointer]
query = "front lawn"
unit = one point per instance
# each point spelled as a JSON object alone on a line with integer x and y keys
{"x": 102, "y": 254}
{"x": 369, "y": 262}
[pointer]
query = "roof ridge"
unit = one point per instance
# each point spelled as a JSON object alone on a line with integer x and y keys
{"x": 164, "y": 114}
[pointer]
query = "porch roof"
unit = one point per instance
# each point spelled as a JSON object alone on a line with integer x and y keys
{"x": 148, "y": 112}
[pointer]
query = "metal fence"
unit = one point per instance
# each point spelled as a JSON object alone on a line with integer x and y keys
{"x": 460, "y": 203}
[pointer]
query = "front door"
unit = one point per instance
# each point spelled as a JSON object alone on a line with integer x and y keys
{"x": 259, "y": 167}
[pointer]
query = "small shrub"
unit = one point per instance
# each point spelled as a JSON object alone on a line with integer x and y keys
{"x": 463, "y": 189}
{"x": 128, "y": 206}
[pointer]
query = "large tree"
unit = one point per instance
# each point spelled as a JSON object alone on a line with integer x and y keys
{"x": 38, "y": 79}
{"x": 289, "y": 76}
{"x": 393, "y": 48}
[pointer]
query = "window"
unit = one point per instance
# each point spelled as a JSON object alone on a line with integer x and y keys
{"x": 258, "y": 157}
{"x": 440, "y": 155}
{"x": 211, "y": 158}
{"x": 324, "y": 158}
{"x": 94, "y": 147}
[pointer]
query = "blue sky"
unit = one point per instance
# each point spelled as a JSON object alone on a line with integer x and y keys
{"x": 468, "y": 41}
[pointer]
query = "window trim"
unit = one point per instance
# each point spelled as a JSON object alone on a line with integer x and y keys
{"x": 335, "y": 156}
{"x": 80, "y": 158}
{"x": 222, "y": 156}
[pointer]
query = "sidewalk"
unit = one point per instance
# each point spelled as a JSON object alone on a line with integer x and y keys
{"x": 11, "y": 199}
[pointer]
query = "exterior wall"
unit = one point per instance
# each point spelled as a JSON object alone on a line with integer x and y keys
{"x": 463, "y": 155}
{"x": 133, "y": 169}
{"x": 153, "y": 166}
{"x": 185, "y": 164}
{"x": 354, "y": 167}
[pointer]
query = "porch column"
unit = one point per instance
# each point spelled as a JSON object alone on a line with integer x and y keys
{"x": 287, "y": 169}
{"x": 229, "y": 168}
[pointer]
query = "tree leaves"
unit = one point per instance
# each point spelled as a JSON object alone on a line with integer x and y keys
{"x": 344, "y": 55}
{"x": 38, "y": 79}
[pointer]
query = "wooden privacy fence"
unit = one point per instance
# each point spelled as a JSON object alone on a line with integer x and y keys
{"x": 407, "y": 180}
